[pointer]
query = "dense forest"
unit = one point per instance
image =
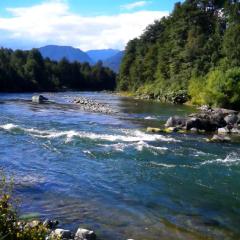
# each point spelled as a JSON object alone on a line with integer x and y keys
{"x": 29, "y": 71}
{"x": 196, "y": 50}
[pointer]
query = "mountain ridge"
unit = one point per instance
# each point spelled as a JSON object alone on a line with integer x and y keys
{"x": 57, "y": 53}
{"x": 110, "y": 57}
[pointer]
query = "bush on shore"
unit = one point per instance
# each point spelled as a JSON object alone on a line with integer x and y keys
{"x": 218, "y": 88}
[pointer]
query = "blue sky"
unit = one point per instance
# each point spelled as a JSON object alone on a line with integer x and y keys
{"x": 85, "y": 24}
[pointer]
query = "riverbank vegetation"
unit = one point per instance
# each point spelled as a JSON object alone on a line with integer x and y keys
{"x": 22, "y": 71}
{"x": 195, "y": 49}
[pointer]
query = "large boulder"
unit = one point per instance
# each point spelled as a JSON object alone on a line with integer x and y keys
{"x": 176, "y": 122}
{"x": 84, "y": 234}
{"x": 218, "y": 119}
{"x": 231, "y": 119}
{"x": 39, "y": 99}
{"x": 201, "y": 124}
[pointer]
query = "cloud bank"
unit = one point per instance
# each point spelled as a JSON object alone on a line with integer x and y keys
{"x": 52, "y": 22}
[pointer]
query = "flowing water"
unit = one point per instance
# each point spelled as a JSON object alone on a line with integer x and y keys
{"x": 106, "y": 173}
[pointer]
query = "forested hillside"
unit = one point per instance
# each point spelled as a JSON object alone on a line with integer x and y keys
{"x": 28, "y": 71}
{"x": 114, "y": 61}
{"x": 195, "y": 49}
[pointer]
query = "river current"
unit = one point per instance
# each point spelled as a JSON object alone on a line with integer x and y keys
{"x": 106, "y": 173}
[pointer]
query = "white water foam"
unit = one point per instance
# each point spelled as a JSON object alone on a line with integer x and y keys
{"x": 8, "y": 126}
{"x": 128, "y": 135}
{"x": 139, "y": 146}
{"x": 150, "y": 118}
{"x": 163, "y": 165}
{"x": 231, "y": 159}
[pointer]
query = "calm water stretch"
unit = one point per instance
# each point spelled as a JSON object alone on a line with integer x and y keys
{"x": 104, "y": 172}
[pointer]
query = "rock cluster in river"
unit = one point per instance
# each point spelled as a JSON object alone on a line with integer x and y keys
{"x": 93, "y": 106}
{"x": 59, "y": 233}
{"x": 221, "y": 122}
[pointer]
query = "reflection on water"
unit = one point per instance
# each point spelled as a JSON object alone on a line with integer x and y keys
{"x": 106, "y": 173}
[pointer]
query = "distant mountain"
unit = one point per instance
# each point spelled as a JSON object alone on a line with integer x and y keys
{"x": 110, "y": 57}
{"x": 114, "y": 62}
{"x": 102, "y": 55}
{"x": 58, "y": 52}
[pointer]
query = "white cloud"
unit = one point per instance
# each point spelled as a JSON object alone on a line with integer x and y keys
{"x": 134, "y": 5}
{"x": 52, "y": 23}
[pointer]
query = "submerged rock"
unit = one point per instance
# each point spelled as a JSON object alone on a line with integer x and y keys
{"x": 84, "y": 234}
{"x": 154, "y": 130}
{"x": 39, "y": 99}
{"x": 170, "y": 129}
{"x": 220, "y": 139}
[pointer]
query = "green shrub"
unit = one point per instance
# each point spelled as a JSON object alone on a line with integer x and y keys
{"x": 214, "y": 94}
{"x": 218, "y": 88}
{"x": 232, "y": 87}
{"x": 196, "y": 90}
{"x": 11, "y": 228}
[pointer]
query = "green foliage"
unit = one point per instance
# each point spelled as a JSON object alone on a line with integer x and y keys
{"x": 218, "y": 88}
{"x": 214, "y": 88}
{"x": 28, "y": 71}
{"x": 231, "y": 45}
{"x": 10, "y": 226}
{"x": 185, "y": 51}
{"x": 195, "y": 89}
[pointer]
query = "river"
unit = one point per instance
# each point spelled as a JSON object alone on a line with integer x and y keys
{"x": 104, "y": 172}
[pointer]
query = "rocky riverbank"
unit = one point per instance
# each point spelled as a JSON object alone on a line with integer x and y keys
{"x": 173, "y": 97}
{"x": 58, "y": 233}
{"x": 55, "y": 233}
{"x": 223, "y": 123}
{"x": 178, "y": 97}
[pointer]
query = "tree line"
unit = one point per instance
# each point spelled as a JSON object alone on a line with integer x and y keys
{"x": 28, "y": 71}
{"x": 195, "y": 49}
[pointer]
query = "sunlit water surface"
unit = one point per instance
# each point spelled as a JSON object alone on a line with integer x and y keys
{"x": 104, "y": 172}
